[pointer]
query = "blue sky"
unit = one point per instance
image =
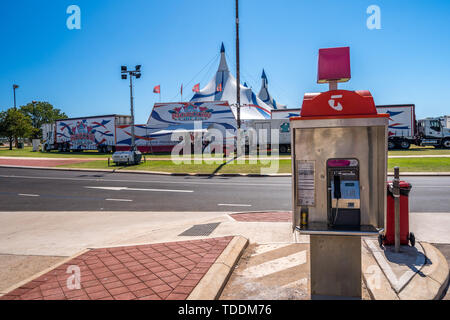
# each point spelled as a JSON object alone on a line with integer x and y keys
{"x": 407, "y": 61}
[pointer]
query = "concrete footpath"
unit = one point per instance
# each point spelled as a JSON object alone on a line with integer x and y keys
{"x": 250, "y": 255}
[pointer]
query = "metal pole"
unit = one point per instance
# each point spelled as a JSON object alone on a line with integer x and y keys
{"x": 396, "y": 192}
{"x": 15, "y": 86}
{"x": 238, "y": 72}
{"x": 133, "y": 147}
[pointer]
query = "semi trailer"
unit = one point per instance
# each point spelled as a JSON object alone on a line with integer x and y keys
{"x": 404, "y": 130}
{"x": 86, "y": 133}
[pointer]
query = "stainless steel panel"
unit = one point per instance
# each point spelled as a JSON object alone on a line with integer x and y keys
{"x": 335, "y": 266}
{"x": 363, "y": 139}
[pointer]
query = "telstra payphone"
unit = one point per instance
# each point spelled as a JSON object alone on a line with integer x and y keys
{"x": 339, "y": 164}
{"x": 343, "y": 192}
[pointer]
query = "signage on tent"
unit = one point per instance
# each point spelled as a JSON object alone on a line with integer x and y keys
{"x": 191, "y": 112}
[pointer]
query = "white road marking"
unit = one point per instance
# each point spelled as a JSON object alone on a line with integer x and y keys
{"x": 272, "y": 266}
{"x": 152, "y": 181}
{"x": 139, "y": 189}
{"x": 296, "y": 284}
{"x": 120, "y": 200}
{"x": 28, "y": 195}
{"x": 268, "y": 247}
{"x": 233, "y": 205}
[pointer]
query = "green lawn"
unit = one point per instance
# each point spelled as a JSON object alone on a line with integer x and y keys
{"x": 27, "y": 152}
{"x": 420, "y": 164}
{"x": 204, "y": 167}
{"x": 419, "y": 151}
{"x": 405, "y": 164}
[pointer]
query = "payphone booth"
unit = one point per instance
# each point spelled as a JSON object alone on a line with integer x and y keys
{"x": 339, "y": 160}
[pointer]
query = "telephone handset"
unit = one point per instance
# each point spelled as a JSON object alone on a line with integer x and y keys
{"x": 337, "y": 194}
{"x": 337, "y": 186}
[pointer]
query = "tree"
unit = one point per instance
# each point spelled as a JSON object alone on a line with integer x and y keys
{"x": 14, "y": 125}
{"x": 40, "y": 113}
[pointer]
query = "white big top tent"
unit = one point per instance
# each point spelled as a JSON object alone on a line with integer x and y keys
{"x": 222, "y": 87}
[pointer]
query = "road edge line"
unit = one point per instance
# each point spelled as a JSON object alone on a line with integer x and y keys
{"x": 213, "y": 282}
{"x": 183, "y": 174}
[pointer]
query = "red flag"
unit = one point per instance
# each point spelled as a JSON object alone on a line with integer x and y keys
{"x": 219, "y": 88}
{"x": 196, "y": 88}
{"x": 157, "y": 89}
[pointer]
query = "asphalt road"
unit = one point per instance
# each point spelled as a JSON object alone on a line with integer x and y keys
{"x": 47, "y": 190}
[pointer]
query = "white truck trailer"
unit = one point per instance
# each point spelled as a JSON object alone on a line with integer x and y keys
{"x": 264, "y": 128}
{"x": 87, "y": 133}
{"x": 404, "y": 130}
{"x": 402, "y": 125}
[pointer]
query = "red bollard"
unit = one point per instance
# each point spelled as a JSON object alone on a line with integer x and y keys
{"x": 389, "y": 235}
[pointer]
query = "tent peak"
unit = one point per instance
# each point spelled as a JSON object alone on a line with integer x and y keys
{"x": 222, "y": 48}
{"x": 263, "y": 76}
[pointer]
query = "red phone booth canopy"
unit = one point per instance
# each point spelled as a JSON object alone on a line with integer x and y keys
{"x": 338, "y": 104}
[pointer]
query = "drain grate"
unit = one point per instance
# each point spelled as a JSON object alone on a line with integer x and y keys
{"x": 200, "y": 230}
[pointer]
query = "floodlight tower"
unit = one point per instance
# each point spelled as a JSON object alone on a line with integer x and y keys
{"x": 137, "y": 74}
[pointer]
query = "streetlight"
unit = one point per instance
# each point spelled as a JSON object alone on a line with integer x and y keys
{"x": 15, "y": 86}
{"x": 134, "y": 156}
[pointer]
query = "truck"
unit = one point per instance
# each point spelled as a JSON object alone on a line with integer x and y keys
{"x": 110, "y": 133}
{"x": 434, "y": 132}
{"x": 85, "y": 133}
{"x": 447, "y": 121}
{"x": 404, "y": 130}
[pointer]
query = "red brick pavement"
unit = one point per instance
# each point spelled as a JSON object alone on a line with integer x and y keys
{"x": 39, "y": 163}
{"x": 263, "y": 216}
{"x": 165, "y": 271}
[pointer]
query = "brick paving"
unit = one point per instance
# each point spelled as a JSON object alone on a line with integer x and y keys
{"x": 164, "y": 271}
{"x": 263, "y": 216}
{"x": 40, "y": 162}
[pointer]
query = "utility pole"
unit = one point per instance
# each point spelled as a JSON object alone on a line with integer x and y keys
{"x": 15, "y": 86}
{"x": 238, "y": 72}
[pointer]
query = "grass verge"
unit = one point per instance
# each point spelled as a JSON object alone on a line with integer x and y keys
{"x": 27, "y": 152}
{"x": 284, "y": 166}
{"x": 420, "y": 164}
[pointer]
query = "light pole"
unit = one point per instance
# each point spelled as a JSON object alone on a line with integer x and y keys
{"x": 15, "y": 86}
{"x": 125, "y": 74}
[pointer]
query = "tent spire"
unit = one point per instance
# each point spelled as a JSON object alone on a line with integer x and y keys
{"x": 223, "y": 66}
{"x": 264, "y": 78}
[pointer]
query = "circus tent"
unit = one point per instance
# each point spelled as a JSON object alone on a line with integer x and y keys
{"x": 222, "y": 87}
{"x": 265, "y": 96}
